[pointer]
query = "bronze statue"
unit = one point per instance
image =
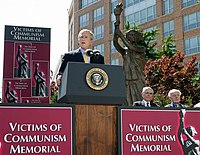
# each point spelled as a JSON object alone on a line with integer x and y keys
{"x": 133, "y": 58}
{"x": 40, "y": 82}
{"x": 22, "y": 63}
{"x": 189, "y": 145}
{"x": 10, "y": 94}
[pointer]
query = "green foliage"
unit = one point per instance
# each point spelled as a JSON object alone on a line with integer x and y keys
{"x": 167, "y": 73}
{"x": 54, "y": 98}
{"x": 161, "y": 99}
{"x": 149, "y": 40}
{"x": 168, "y": 47}
{"x": 166, "y": 70}
{"x": 54, "y": 92}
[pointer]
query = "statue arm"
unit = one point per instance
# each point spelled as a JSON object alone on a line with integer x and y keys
{"x": 117, "y": 11}
{"x": 181, "y": 127}
{"x": 36, "y": 72}
{"x": 116, "y": 44}
{"x": 194, "y": 142}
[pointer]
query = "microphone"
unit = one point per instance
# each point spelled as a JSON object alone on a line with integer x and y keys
{"x": 96, "y": 52}
{"x": 89, "y": 52}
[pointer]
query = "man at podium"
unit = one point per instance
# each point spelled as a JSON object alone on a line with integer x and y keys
{"x": 82, "y": 54}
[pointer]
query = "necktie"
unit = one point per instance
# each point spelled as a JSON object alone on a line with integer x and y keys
{"x": 148, "y": 104}
{"x": 86, "y": 59}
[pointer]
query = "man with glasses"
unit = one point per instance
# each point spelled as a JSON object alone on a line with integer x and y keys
{"x": 147, "y": 95}
{"x": 175, "y": 97}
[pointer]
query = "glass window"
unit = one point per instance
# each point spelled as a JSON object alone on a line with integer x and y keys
{"x": 84, "y": 20}
{"x": 191, "y": 21}
{"x": 112, "y": 48}
{"x": 168, "y": 6}
{"x": 113, "y": 5}
{"x": 99, "y": 14}
{"x": 100, "y": 47}
{"x": 99, "y": 32}
{"x": 186, "y": 3}
{"x": 168, "y": 28}
{"x": 85, "y": 3}
{"x": 192, "y": 45}
{"x": 112, "y": 26}
{"x": 128, "y": 3}
{"x": 141, "y": 16}
{"x": 115, "y": 62}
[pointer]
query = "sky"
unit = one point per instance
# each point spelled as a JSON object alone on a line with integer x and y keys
{"x": 37, "y": 13}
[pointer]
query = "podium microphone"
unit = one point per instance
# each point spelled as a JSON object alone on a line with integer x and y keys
{"x": 96, "y": 52}
{"x": 89, "y": 52}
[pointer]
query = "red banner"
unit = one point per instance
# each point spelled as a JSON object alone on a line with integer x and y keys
{"x": 163, "y": 132}
{"x": 26, "y": 65}
{"x": 36, "y": 130}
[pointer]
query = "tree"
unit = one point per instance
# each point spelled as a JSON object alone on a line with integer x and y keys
{"x": 167, "y": 73}
{"x": 54, "y": 92}
{"x": 165, "y": 68}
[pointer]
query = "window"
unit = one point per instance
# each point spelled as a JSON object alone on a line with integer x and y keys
{"x": 141, "y": 16}
{"x": 99, "y": 32}
{"x": 191, "y": 21}
{"x": 112, "y": 48}
{"x": 85, "y": 3}
{"x": 98, "y": 14}
{"x": 168, "y": 6}
{"x": 100, "y": 47}
{"x": 150, "y": 29}
{"x": 84, "y": 20}
{"x": 115, "y": 62}
{"x": 113, "y": 5}
{"x": 168, "y": 28}
{"x": 128, "y": 3}
{"x": 112, "y": 26}
{"x": 186, "y": 3}
{"x": 192, "y": 45}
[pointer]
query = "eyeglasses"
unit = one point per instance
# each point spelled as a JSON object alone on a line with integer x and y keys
{"x": 148, "y": 93}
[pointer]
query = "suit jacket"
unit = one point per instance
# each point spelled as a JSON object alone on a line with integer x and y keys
{"x": 178, "y": 105}
{"x": 76, "y": 56}
{"x": 142, "y": 104}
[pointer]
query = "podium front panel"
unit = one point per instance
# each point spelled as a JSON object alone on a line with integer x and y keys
{"x": 75, "y": 89}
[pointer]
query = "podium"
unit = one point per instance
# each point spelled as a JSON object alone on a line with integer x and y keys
{"x": 96, "y": 90}
{"x": 76, "y": 84}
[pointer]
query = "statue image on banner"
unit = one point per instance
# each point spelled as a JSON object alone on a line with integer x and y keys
{"x": 190, "y": 145}
{"x": 133, "y": 58}
{"x": 11, "y": 95}
{"x": 40, "y": 89}
{"x": 22, "y": 61}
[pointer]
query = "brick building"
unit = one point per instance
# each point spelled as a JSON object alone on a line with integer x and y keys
{"x": 179, "y": 17}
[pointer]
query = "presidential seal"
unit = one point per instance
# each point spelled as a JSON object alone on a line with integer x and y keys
{"x": 97, "y": 79}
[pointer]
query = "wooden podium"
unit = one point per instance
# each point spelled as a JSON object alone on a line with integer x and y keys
{"x": 96, "y": 130}
{"x": 95, "y": 110}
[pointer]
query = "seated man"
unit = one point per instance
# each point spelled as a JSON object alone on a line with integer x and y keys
{"x": 148, "y": 95}
{"x": 175, "y": 97}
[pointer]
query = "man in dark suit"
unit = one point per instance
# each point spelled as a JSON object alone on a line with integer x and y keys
{"x": 85, "y": 41}
{"x": 175, "y": 97}
{"x": 147, "y": 95}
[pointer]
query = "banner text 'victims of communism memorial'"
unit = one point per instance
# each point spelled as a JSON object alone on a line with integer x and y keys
{"x": 26, "y": 65}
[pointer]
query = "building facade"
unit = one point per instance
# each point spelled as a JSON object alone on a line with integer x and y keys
{"x": 179, "y": 17}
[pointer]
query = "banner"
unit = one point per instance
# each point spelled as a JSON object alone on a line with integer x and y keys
{"x": 26, "y": 71}
{"x": 36, "y": 130}
{"x": 163, "y": 132}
